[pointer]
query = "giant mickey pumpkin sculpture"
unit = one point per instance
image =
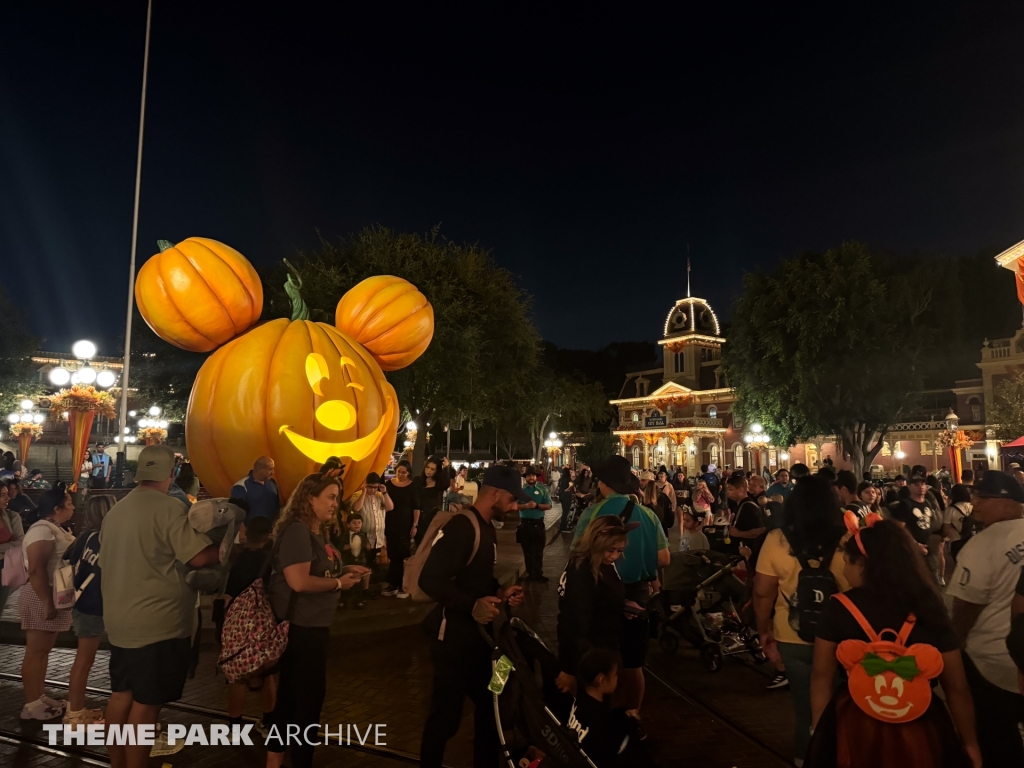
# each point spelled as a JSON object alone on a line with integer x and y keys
{"x": 295, "y": 390}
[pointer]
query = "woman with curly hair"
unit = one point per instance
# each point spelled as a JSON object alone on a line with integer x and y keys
{"x": 305, "y": 580}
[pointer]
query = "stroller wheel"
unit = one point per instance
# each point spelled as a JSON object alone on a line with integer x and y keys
{"x": 711, "y": 657}
{"x": 668, "y": 640}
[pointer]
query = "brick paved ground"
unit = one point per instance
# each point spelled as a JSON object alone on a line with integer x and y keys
{"x": 380, "y": 672}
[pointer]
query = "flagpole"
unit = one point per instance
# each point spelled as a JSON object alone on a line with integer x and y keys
{"x": 687, "y": 270}
{"x": 123, "y": 420}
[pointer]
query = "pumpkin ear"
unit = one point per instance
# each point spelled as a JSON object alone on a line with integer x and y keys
{"x": 390, "y": 317}
{"x": 851, "y": 653}
{"x": 928, "y": 658}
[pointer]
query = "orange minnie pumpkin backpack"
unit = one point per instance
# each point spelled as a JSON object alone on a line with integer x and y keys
{"x": 887, "y": 680}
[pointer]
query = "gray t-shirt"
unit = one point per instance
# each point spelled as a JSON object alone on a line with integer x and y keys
{"x": 298, "y": 544}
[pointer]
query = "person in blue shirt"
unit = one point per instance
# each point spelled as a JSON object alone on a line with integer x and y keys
{"x": 259, "y": 490}
{"x": 531, "y": 525}
{"x": 646, "y": 552}
{"x": 782, "y": 485}
{"x": 101, "y": 466}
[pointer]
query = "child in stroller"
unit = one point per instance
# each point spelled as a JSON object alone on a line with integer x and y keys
{"x": 701, "y": 601}
{"x": 535, "y": 720}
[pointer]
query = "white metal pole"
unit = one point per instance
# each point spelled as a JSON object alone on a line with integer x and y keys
{"x": 123, "y": 421}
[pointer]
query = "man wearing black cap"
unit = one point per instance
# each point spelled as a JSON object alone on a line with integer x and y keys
{"x": 459, "y": 575}
{"x": 646, "y": 551}
{"x": 982, "y": 586}
{"x": 915, "y": 510}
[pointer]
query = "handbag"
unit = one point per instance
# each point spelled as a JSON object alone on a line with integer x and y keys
{"x": 64, "y": 595}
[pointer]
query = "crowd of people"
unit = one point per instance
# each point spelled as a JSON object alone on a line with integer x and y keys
{"x": 909, "y": 585}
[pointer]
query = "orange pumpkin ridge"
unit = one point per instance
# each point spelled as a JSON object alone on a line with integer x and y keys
{"x": 199, "y": 294}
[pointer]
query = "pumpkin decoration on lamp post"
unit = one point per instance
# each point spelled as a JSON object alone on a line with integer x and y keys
{"x": 153, "y": 435}
{"x": 295, "y": 390}
{"x": 26, "y": 425}
{"x": 81, "y": 404}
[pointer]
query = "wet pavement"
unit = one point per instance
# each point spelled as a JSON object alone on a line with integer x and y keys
{"x": 379, "y": 671}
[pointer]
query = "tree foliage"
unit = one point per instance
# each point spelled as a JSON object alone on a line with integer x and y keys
{"x": 565, "y": 402}
{"x": 596, "y": 447}
{"x": 833, "y": 344}
{"x": 17, "y": 344}
{"x": 484, "y": 348}
{"x": 1007, "y": 410}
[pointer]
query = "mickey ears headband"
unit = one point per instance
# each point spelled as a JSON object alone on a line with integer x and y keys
{"x": 853, "y": 525}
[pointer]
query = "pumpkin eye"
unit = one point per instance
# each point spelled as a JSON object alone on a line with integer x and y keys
{"x": 336, "y": 414}
{"x": 351, "y": 363}
{"x": 316, "y": 370}
{"x": 897, "y": 685}
{"x": 879, "y": 683}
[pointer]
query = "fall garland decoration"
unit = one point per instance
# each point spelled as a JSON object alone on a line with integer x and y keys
{"x": 81, "y": 404}
{"x": 26, "y": 428}
{"x": 153, "y": 435}
{"x": 82, "y": 399}
{"x": 955, "y": 439}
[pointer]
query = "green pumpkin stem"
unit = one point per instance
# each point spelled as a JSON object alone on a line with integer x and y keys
{"x": 292, "y": 286}
{"x": 164, "y": 245}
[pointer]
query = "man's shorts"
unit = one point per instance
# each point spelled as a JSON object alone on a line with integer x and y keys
{"x": 155, "y": 674}
{"x": 634, "y": 634}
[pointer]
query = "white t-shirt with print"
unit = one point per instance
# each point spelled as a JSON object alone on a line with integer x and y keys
{"x": 954, "y": 517}
{"x": 986, "y": 574}
{"x": 44, "y": 530}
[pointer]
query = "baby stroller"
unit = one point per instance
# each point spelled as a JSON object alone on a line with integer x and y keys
{"x": 525, "y": 710}
{"x": 698, "y": 602}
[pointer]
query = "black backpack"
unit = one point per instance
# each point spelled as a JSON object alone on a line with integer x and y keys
{"x": 814, "y": 587}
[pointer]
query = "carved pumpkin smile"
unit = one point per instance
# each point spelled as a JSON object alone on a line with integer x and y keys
{"x": 355, "y": 449}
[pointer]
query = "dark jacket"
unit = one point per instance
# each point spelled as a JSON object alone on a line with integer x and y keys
{"x": 589, "y": 612}
{"x": 455, "y": 585}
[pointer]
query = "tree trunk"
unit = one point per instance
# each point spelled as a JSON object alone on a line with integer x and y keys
{"x": 862, "y": 444}
{"x": 537, "y": 438}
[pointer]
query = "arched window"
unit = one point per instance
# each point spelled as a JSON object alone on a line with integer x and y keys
{"x": 635, "y": 417}
{"x": 679, "y": 362}
{"x": 714, "y": 453}
{"x": 737, "y": 452}
{"x": 636, "y": 456}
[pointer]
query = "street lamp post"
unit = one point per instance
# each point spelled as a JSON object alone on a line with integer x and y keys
{"x": 757, "y": 440}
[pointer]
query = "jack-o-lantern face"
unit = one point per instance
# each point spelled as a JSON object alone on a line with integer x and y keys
{"x": 338, "y": 416}
{"x": 888, "y": 682}
{"x": 297, "y": 391}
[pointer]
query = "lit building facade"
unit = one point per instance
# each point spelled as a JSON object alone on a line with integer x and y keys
{"x": 681, "y": 414}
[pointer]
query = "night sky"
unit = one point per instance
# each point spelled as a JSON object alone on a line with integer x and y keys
{"x": 586, "y": 149}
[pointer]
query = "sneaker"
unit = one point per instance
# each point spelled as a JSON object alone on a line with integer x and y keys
{"x": 83, "y": 716}
{"x": 40, "y": 710}
{"x": 360, "y": 605}
{"x": 401, "y": 595}
{"x": 389, "y": 592}
{"x": 779, "y": 681}
{"x": 161, "y": 747}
